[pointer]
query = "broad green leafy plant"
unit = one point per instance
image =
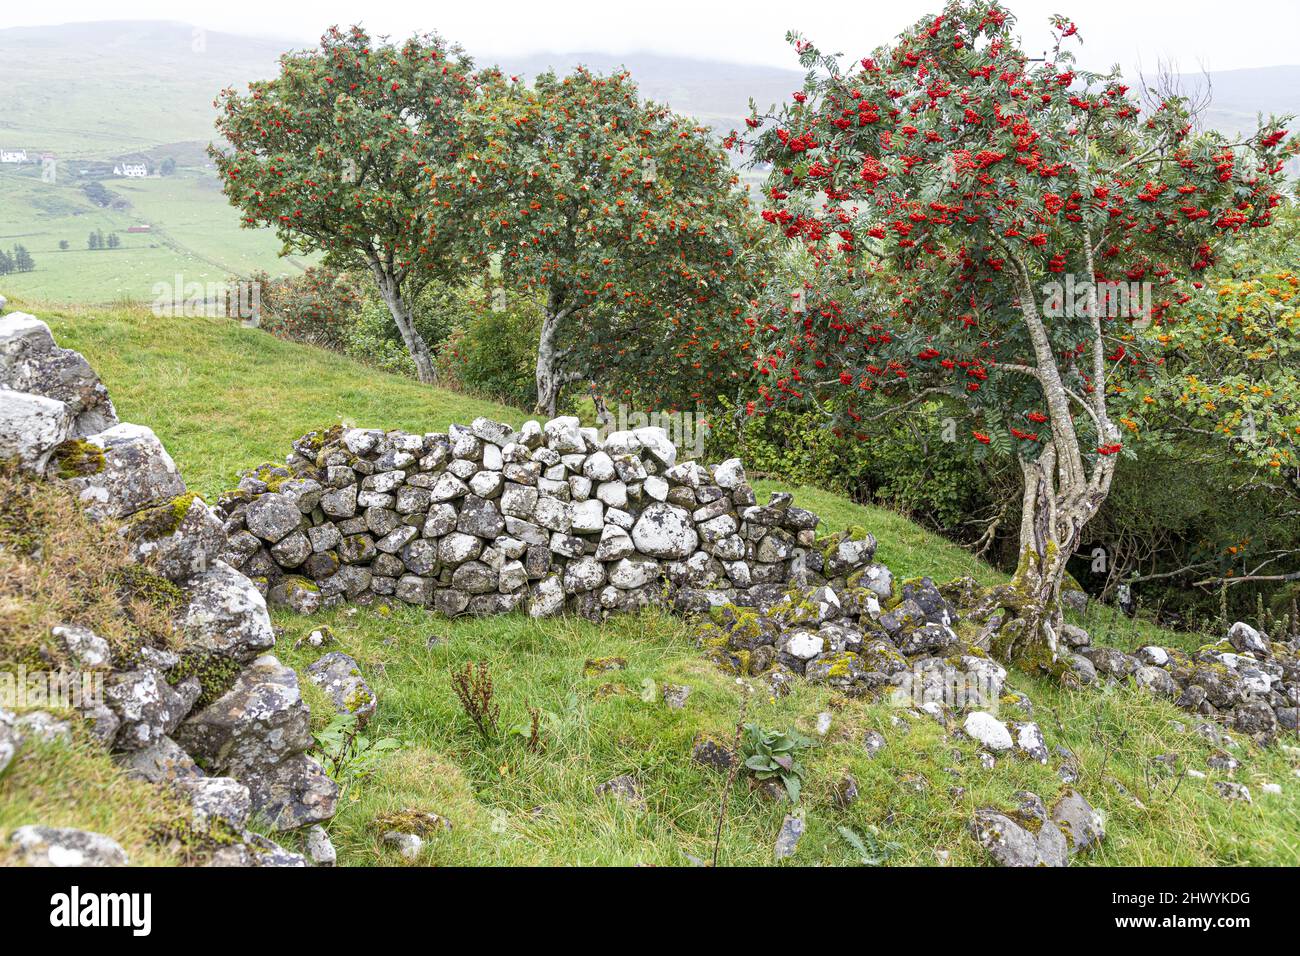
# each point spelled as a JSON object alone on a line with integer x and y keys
{"x": 773, "y": 754}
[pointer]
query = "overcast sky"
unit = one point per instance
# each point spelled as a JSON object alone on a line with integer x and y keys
{"x": 1195, "y": 34}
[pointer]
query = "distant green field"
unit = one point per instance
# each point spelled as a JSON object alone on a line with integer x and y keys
{"x": 195, "y": 235}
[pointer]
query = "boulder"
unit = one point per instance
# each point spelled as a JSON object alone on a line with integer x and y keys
{"x": 225, "y": 614}
{"x": 260, "y": 722}
{"x": 988, "y": 731}
{"x": 340, "y": 677}
{"x": 55, "y": 846}
{"x": 179, "y": 538}
{"x": 1011, "y": 844}
{"x": 665, "y": 531}
{"x": 147, "y": 706}
{"x": 31, "y": 427}
{"x": 30, "y": 361}
{"x": 163, "y": 761}
{"x": 1084, "y": 828}
{"x": 131, "y": 471}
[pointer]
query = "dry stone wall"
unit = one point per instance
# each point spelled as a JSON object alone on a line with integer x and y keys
{"x": 483, "y": 519}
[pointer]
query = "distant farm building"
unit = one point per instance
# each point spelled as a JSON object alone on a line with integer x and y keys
{"x": 13, "y": 155}
{"x": 144, "y": 228}
{"x": 131, "y": 170}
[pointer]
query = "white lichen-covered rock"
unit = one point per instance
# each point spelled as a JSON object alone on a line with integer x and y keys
{"x": 340, "y": 677}
{"x": 319, "y": 847}
{"x": 9, "y": 738}
{"x": 148, "y": 707}
{"x": 136, "y": 472}
{"x": 57, "y": 846}
{"x": 180, "y": 538}
{"x": 86, "y": 649}
{"x": 1011, "y": 844}
{"x": 225, "y": 614}
{"x": 216, "y": 800}
{"x": 987, "y": 730}
{"x": 730, "y": 474}
{"x": 657, "y": 444}
{"x": 564, "y": 435}
{"x": 30, "y": 361}
{"x": 31, "y": 427}
{"x": 547, "y": 597}
{"x": 1247, "y": 640}
{"x": 665, "y": 531}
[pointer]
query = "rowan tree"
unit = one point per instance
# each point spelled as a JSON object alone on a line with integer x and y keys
{"x": 337, "y": 152}
{"x": 625, "y": 218}
{"x": 949, "y": 189}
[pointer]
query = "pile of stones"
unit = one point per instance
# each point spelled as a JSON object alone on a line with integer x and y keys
{"x": 243, "y": 752}
{"x": 483, "y": 519}
{"x": 1245, "y": 681}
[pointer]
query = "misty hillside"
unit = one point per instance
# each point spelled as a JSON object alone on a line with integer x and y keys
{"x": 101, "y": 90}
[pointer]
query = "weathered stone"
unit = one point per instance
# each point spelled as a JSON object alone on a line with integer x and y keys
{"x": 1011, "y": 844}
{"x": 53, "y": 846}
{"x": 163, "y": 761}
{"x": 179, "y": 538}
{"x": 787, "y": 840}
{"x": 225, "y": 614}
{"x": 987, "y": 730}
{"x": 665, "y": 531}
{"x": 216, "y": 800}
{"x": 136, "y": 472}
{"x": 148, "y": 707}
{"x": 340, "y": 677}
{"x": 31, "y": 362}
{"x": 1083, "y": 827}
{"x": 261, "y": 721}
{"x": 625, "y": 789}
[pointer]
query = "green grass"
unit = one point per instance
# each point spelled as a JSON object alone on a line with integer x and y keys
{"x": 195, "y": 237}
{"x": 223, "y": 397}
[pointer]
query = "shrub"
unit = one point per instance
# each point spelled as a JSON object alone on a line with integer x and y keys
{"x": 494, "y": 354}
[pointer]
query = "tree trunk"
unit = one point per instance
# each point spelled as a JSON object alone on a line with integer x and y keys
{"x": 1024, "y": 616}
{"x": 550, "y": 376}
{"x": 604, "y": 416}
{"x": 425, "y": 370}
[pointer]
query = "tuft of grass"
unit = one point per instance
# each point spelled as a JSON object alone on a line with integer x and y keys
{"x": 59, "y": 567}
{"x": 59, "y": 785}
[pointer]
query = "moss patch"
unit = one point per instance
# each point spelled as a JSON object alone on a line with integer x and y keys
{"x": 77, "y": 458}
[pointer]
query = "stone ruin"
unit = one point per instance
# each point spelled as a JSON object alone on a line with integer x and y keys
{"x": 483, "y": 519}
{"x": 215, "y": 717}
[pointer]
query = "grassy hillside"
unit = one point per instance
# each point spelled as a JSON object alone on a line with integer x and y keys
{"x": 194, "y": 236}
{"x": 222, "y": 397}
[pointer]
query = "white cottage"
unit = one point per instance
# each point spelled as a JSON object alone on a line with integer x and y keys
{"x": 13, "y": 155}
